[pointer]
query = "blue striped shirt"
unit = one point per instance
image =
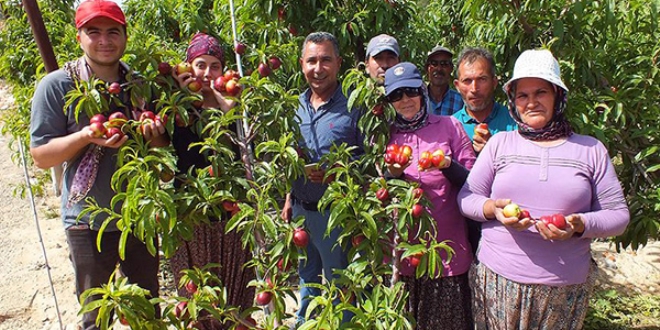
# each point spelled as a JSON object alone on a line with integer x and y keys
{"x": 330, "y": 124}
{"x": 451, "y": 103}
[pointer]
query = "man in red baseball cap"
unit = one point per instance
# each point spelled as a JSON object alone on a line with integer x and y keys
{"x": 63, "y": 137}
{"x": 92, "y": 9}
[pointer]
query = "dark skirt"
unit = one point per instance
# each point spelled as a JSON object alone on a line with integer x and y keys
{"x": 442, "y": 303}
{"x": 501, "y": 304}
{"x": 211, "y": 245}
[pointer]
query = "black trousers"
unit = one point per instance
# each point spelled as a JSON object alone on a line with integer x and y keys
{"x": 93, "y": 268}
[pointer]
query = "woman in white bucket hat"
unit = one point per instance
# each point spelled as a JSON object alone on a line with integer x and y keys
{"x": 535, "y": 271}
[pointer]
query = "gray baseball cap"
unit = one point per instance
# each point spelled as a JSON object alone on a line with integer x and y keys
{"x": 439, "y": 49}
{"x": 380, "y": 43}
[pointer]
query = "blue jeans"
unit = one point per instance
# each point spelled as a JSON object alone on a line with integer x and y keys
{"x": 322, "y": 255}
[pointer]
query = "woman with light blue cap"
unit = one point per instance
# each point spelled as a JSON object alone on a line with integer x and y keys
{"x": 441, "y": 301}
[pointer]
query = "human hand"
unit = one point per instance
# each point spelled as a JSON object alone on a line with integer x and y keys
{"x": 225, "y": 103}
{"x": 287, "y": 210}
{"x": 184, "y": 78}
{"x": 575, "y": 224}
{"x": 152, "y": 129}
{"x": 396, "y": 170}
{"x": 446, "y": 162}
{"x": 510, "y": 222}
{"x": 481, "y": 136}
{"x": 114, "y": 141}
{"x": 317, "y": 175}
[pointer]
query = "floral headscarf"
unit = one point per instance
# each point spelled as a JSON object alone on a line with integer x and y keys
{"x": 204, "y": 44}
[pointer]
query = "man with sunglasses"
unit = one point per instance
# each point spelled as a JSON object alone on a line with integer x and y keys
{"x": 444, "y": 101}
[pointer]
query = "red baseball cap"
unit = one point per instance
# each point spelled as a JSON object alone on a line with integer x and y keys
{"x": 91, "y": 9}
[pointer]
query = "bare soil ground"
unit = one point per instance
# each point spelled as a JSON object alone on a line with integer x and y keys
{"x": 27, "y": 297}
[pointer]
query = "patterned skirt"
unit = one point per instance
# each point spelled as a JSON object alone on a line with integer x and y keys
{"x": 442, "y": 303}
{"x": 501, "y": 304}
{"x": 210, "y": 244}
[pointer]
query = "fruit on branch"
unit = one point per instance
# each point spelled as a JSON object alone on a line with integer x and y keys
{"x": 230, "y": 206}
{"x": 415, "y": 259}
{"x": 357, "y": 240}
{"x": 240, "y": 48}
{"x": 280, "y": 265}
{"x": 300, "y": 237}
{"x": 114, "y": 88}
{"x": 264, "y": 70}
{"x": 274, "y": 62}
{"x": 164, "y": 68}
{"x": 417, "y": 211}
{"x": 263, "y": 298}
{"x": 232, "y": 87}
{"x": 98, "y": 118}
{"x": 181, "y": 310}
{"x": 220, "y": 83}
{"x": 117, "y": 119}
{"x": 191, "y": 287}
{"x": 417, "y": 193}
{"x": 382, "y": 194}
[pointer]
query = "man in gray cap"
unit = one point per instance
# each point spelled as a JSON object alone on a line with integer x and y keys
{"x": 382, "y": 54}
{"x": 444, "y": 101}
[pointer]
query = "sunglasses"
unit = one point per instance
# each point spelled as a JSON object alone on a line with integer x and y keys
{"x": 445, "y": 63}
{"x": 398, "y": 93}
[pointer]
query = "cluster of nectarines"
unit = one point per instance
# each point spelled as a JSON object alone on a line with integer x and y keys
{"x": 512, "y": 210}
{"x": 107, "y": 127}
{"x": 228, "y": 83}
{"x": 398, "y": 156}
{"x": 429, "y": 159}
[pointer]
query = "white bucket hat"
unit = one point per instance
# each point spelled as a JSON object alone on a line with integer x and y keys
{"x": 537, "y": 64}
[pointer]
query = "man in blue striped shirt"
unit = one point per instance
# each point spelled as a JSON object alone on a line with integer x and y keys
{"x": 444, "y": 100}
{"x": 324, "y": 120}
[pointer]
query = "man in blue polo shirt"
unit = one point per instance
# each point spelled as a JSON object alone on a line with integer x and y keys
{"x": 444, "y": 100}
{"x": 476, "y": 82}
{"x": 324, "y": 120}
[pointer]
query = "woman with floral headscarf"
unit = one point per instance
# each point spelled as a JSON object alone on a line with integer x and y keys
{"x": 443, "y": 302}
{"x": 210, "y": 243}
{"x": 533, "y": 273}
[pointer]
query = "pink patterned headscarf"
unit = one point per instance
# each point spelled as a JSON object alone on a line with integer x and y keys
{"x": 204, "y": 44}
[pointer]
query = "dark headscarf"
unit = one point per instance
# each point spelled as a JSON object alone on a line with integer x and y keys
{"x": 420, "y": 119}
{"x": 204, "y": 44}
{"x": 403, "y": 75}
{"x": 558, "y": 127}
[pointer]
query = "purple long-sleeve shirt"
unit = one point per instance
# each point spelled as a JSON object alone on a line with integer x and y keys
{"x": 574, "y": 177}
{"x": 446, "y": 133}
